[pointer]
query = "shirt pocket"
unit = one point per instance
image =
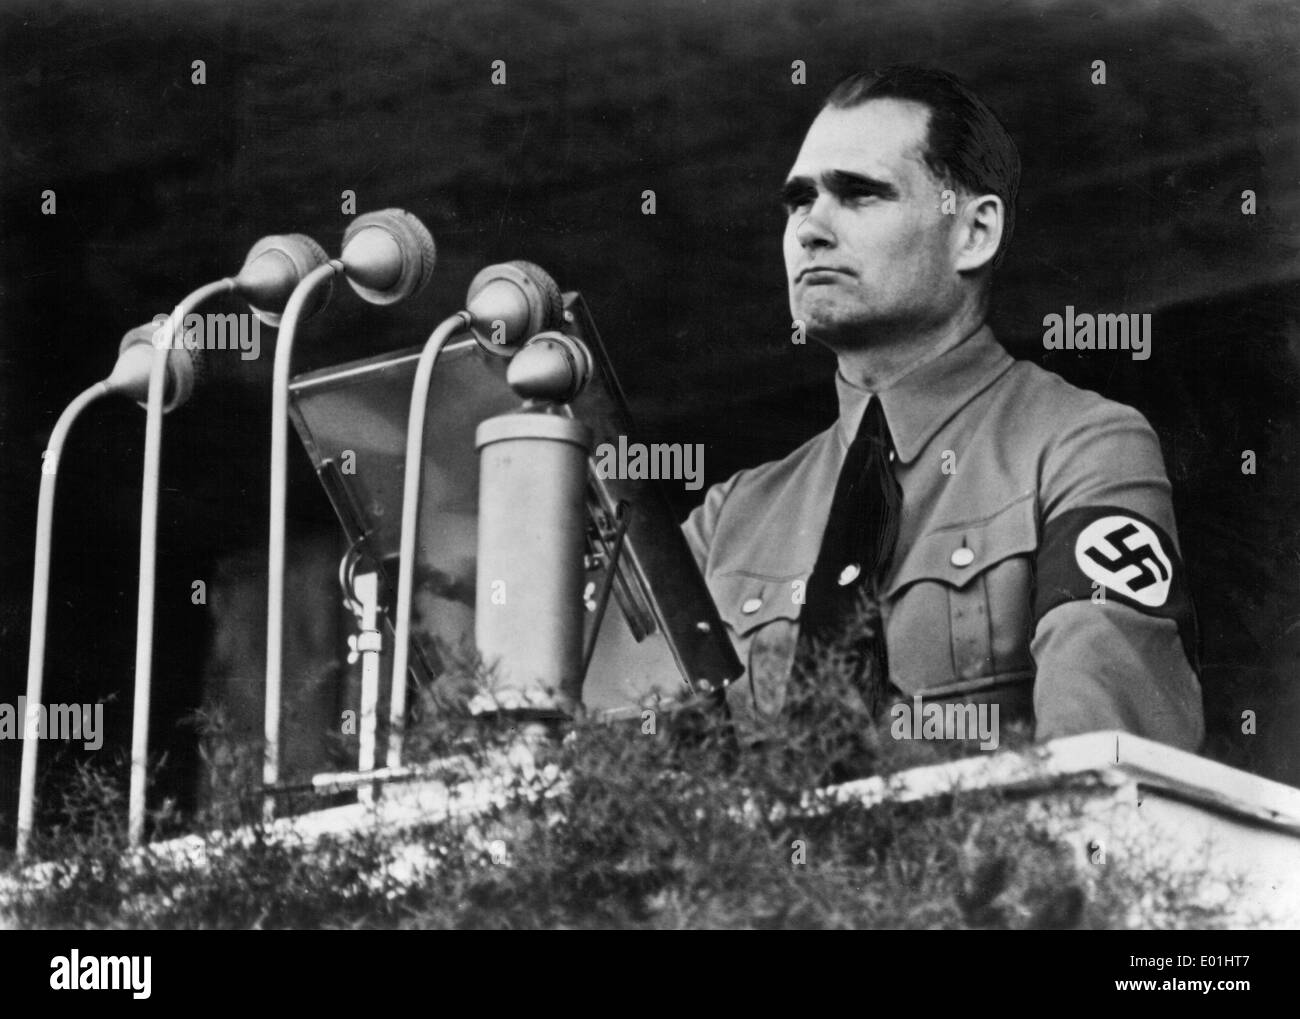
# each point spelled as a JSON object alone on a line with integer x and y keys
{"x": 762, "y": 615}
{"x": 959, "y": 607}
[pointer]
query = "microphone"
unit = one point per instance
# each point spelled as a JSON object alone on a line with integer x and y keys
{"x": 510, "y": 302}
{"x": 552, "y": 367}
{"x": 274, "y": 267}
{"x": 186, "y": 369}
{"x": 129, "y": 378}
{"x": 505, "y": 305}
{"x": 387, "y": 256}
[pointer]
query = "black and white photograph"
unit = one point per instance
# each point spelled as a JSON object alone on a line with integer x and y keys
{"x": 676, "y": 465}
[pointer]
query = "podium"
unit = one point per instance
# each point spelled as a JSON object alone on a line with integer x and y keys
{"x": 1115, "y": 798}
{"x": 1234, "y": 837}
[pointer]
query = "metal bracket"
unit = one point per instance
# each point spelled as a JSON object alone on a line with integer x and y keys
{"x": 363, "y": 642}
{"x": 611, "y": 552}
{"x": 361, "y": 595}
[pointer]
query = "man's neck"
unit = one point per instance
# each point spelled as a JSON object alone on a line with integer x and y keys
{"x": 878, "y": 365}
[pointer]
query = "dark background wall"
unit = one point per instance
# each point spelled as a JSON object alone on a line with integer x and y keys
{"x": 1131, "y": 202}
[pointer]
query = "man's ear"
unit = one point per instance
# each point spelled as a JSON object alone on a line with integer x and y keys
{"x": 978, "y": 233}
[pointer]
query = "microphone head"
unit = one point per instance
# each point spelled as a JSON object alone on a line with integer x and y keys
{"x": 388, "y": 255}
{"x": 274, "y": 267}
{"x": 553, "y": 367}
{"x": 186, "y": 369}
{"x": 511, "y": 302}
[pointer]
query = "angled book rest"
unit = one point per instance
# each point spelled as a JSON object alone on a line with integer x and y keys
{"x": 661, "y": 637}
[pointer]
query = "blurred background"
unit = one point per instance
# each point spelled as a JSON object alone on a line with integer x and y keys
{"x": 1131, "y": 202}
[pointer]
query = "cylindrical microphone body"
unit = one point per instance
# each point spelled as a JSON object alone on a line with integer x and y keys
{"x": 532, "y": 521}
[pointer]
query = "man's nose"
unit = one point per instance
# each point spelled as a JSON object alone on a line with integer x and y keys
{"x": 814, "y": 230}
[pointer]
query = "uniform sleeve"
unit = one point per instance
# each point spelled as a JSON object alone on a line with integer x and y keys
{"x": 1115, "y": 636}
{"x": 701, "y": 526}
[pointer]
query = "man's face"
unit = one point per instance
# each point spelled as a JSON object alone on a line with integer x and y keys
{"x": 867, "y": 248}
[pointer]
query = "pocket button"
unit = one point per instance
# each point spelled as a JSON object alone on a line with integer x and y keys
{"x": 962, "y": 557}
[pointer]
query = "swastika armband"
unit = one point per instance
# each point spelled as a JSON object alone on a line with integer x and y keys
{"x": 1106, "y": 552}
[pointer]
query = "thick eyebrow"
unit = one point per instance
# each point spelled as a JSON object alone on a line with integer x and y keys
{"x": 841, "y": 183}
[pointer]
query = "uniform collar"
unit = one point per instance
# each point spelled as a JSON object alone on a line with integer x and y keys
{"x": 920, "y": 403}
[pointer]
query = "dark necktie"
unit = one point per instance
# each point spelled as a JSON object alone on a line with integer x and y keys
{"x": 856, "y": 551}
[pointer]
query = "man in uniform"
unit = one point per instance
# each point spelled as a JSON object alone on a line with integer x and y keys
{"x": 1016, "y": 532}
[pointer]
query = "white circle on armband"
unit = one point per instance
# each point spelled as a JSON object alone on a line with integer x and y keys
{"x": 1125, "y": 555}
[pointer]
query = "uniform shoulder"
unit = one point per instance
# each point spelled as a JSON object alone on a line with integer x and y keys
{"x": 776, "y": 472}
{"x": 1047, "y": 397}
{"x": 1089, "y": 450}
{"x": 761, "y": 500}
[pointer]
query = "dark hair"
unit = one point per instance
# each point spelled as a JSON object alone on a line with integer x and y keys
{"x": 966, "y": 145}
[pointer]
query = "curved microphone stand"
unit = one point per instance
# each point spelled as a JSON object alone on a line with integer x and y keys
{"x": 41, "y": 600}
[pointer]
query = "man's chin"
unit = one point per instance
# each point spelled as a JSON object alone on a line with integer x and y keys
{"x": 841, "y": 333}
